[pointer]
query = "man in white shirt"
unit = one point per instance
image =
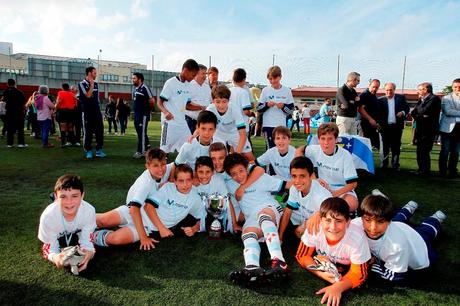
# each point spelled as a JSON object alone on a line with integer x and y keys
{"x": 200, "y": 94}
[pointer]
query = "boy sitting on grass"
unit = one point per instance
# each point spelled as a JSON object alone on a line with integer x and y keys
{"x": 305, "y": 198}
{"x": 340, "y": 246}
{"x": 133, "y": 218}
{"x": 397, "y": 249}
{"x": 280, "y": 156}
{"x": 261, "y": 214}
{"x": 68, "y": 221}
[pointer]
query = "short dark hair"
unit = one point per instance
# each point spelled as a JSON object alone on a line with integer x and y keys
{"x": 220, "y": 91}
{"x": 302, "y": 162}
{"x": 336, "y": 207}
{"x": 139, "y": 75}
{"x": 206, "y": 116}
{"x": 374, "y": 80}
{"x": 11, "y": 82}
{"x": 428, "y": 86}
{"x": 274, "y": 72}
{"x": 190, "y": 65}
{"x": 329, "y": 127}
{"x": 89, "y": 70}
{"x": 213, "y": 69}
{"x": 239, "y": 75}
{"x": 65, "y": 86}
{"x": 155, "y": 153}
{"x": 182, "y": 168}
{"x": 217, "y": 146}
{"x": 283, "y": 130}
{"x": 233, "y": 160}
{"x": 457, "y": 80}
{"x": 68, "y": 181}
{"x": 378, "y": 207}
{"x": 204, "y": 161}
{"x": 202, "y": 67}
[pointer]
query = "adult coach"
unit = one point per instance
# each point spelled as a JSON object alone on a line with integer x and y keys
{"x": 369, "y": 110}
{"x": 347, "y": 99}
{"x": 200, "y": 94}
{"x": 143, "y": 103}
{"x": 15, "y": 108}
{"x": 450, "y": 132}
{"x": 91, "y": 114}
{"x": 426, "y": 115}
{"x": 394, "y": 110}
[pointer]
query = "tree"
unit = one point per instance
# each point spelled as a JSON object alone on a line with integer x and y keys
{"x": 447, "y": 89}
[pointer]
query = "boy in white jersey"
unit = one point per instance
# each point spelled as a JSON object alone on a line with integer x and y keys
{"x": 241, "y": 96}
{"x": 275, "y": 104}
{"x": 200, "y": 94}
{"x": 397, "y": 248}
{"x": 333, "y": 164}
{"x": 176, "y": 206}
{"x": 231, "y": 128}
{"x": 279, "y": 158}
{"x": 173, "y": 100}
{"x": 133, "y": 218}
{"x": 261, "y": 214}
{"x": 305, "y": 198}
{"x": 207, "y": 183}
{"x": 199, "y": 146}
{"x": 339, "y": 244}
{"x": 68, "y": 221}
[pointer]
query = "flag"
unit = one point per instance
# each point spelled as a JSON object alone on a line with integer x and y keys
{"x": 361, "y": 150}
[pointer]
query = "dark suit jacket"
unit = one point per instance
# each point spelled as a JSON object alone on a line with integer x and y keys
{"x": 426, "y": 114}
{"x": 346, "y": 97}
{"x": 400, "y": 106}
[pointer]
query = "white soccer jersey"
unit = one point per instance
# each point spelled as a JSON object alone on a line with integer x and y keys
{"x": 228, "y": 123}
{"x": 145, "y": 185}
{"x": 57, "y": 233}
{"x": 176, "y": 94}
{"x": 241, "y": 98}
{"x": 303, "y": 207}
{"x": 199, "y": 94}
{"x": 173, "y": 206}
{"x": 274, "y": 116}
{"x": 279, "y": 163}
{"x": 337, "y": 170}
{"x": 258, "y": 195}
{"x": 400, "y": 248}
{"x": 215, "y": 186}
{"x": 189, "y": 152}
{"x": 351, "y": 249}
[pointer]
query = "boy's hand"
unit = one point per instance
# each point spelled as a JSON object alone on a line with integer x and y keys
{"x": 147, "y": 243}
{"x": 189, "y": 231}
{"x": 280, "y": 105}
{"x": 84, "y": 263}
{"x": 58, "y": 260}
{"x": 169, "y": 116}
{"x": 323, "y": 183}
{"x": 312, "y": 224}
{"x": 165, "y": 232}
{"x": 236, "y": 228}
{"x": 299, "y": 230}
{"x": 239, "y": 193}
{"x": 332, "y": 295}
{"x": 270, "y": 103}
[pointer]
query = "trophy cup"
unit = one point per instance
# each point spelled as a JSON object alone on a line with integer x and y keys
{"x": 215, "y": 205}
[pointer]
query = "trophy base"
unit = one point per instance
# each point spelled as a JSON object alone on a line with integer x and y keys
{"x": 215, "y": 235}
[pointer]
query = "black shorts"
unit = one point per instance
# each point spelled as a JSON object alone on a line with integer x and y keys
{"x": 65, "y": 115}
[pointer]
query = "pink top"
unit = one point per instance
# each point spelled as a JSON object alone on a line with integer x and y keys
{"x": 46, "y": 111}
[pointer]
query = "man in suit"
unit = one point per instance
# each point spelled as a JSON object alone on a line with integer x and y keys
{"x": 450, "y": 132}
{"x": 426, "y": 115}
{"x": 369, "y": 110}
{"x": 347, "y": 100}
{"x": 394, "y": 110}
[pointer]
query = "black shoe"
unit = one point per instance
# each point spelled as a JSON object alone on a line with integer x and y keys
{"x": 279, "y": 271}
{"x": 248, "y": 276}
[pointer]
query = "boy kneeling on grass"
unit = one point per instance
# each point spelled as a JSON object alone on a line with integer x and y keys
{"x": 342, "y": 251}
{"x": 68, "y": 221}
{"x": 397, "y": 249}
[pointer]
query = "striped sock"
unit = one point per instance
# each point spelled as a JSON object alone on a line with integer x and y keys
{"x": 99, "y": 237}
{"x": 251, "y": 251}
{"x": 271, "y": 236}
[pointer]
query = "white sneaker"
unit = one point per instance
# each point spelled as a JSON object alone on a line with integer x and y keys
{"x": 23, "y": 145}
{"x": 440, "y": 216}
{"x": 377, "y": 192}
{"x": 138, "y": 155}
{"x": 411, "y": 206}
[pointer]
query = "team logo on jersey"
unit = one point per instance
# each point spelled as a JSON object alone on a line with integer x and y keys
{"x": 180, "y": 91}
{"x": 174, "y": 203}
{"x": 321, "y": 165}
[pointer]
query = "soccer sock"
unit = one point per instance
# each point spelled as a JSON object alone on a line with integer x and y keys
{"x": 271, "y": 236}
{"x": 99, "y": 237}
{"x": 63, "y": 137}
{"x": 251, "y": 251}
{"x": 71, "y": 137}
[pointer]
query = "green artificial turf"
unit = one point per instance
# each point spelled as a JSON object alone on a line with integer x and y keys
{"x": 187, "y": 271}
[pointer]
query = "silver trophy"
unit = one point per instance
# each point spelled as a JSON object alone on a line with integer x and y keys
{"x": 215, "y": 205}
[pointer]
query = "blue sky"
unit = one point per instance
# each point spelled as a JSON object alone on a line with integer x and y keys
{"x": 372, "y": 37}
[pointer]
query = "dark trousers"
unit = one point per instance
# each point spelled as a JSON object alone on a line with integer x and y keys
{"x": 188, "y": 221}
{"x": 114, "y": 122}
{"x": 78, "y": 126}
{"x": 371, "y": 133}
{"x": 191, "y": 123}
{"x": 45, "y": 126}
{"x": 296, "y": 122}
{"x": 14, "y": 124}
{"x": 3, "y": 118}
{"x": 450, "y": 147}
{"x": 424, "y": 146}
{"x": 268, "y": 135}
{"x": 141, "y": 124}
{"x": 123, "y": 120}
{"x": 391, "y": 138}
{"x": 92, "y": 124}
